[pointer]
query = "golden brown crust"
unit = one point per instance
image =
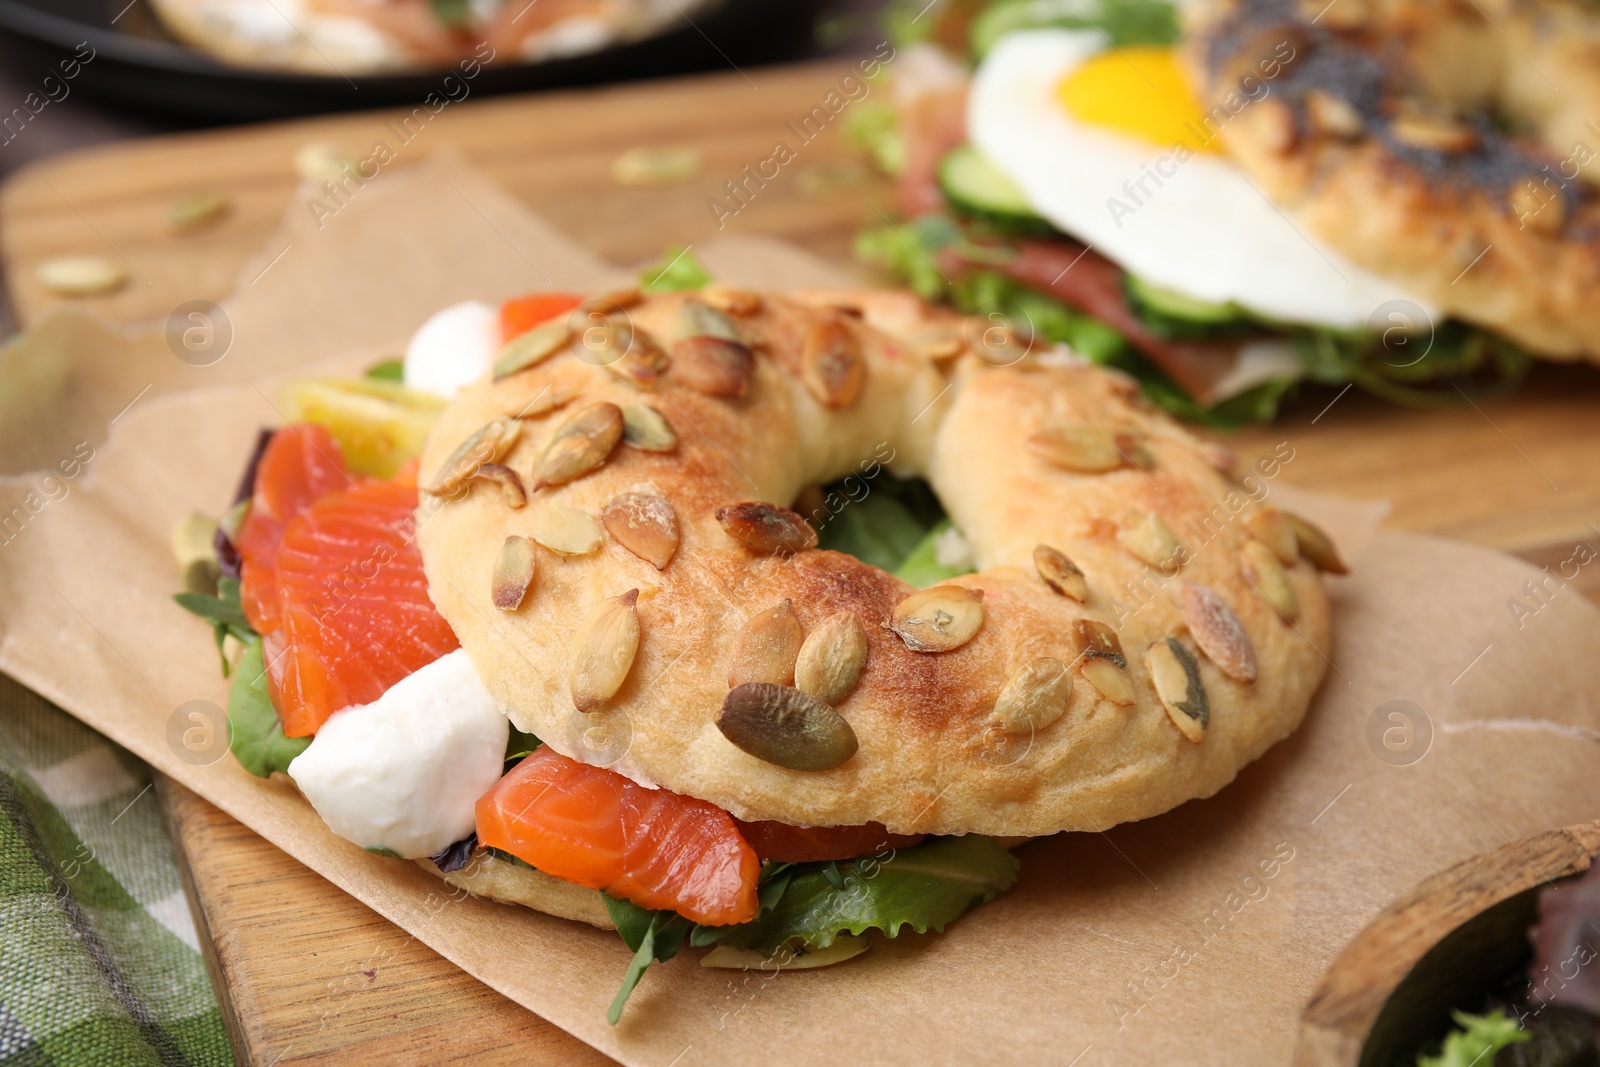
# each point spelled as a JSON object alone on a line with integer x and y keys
{"x": 930, "y": 759}
{"x": 1380, "y": 134}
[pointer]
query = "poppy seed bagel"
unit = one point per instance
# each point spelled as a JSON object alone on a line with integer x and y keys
{"x": 677, "y": 626}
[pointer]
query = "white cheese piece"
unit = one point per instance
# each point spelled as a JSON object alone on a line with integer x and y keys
{"x": 405, "y": 771}
{"x": 453, "y": 348}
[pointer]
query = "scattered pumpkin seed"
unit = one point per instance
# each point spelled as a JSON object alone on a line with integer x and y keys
{"x": 1273, "y": 530}
{"x": 831, "y": 364}
{"x": 488, "y": 444}
{"x": 81, "y": 275}
{"x": 608, "y": 641}
{"x": 713, "y": 366}
{"x": 645, "y": 524}
{"x": 1076, "y": 447}
{"x": 1101, "y": 662}
{"x": 506, "y": 478}
{"x": 765, "y": 648}
{"x": 1148, "y": 537}
{"x": 567, "y": 530}
{"x": 194, "y": 210}
{"x": 1316, "y": 545}
{"x": 731, "y": 300}
{"x": 939, "y": 619}
{"x": 1218, "y": 632}
{"x": 655, "y": 166}
{"x": 532, "y": 348}
{"x": 645, "y": 428}
{"x": 324, "y": 161}
{"x": 513, "y": 573}
{"x": 1034, "y": 698}
{"x": 831, "y": 658}
{"x": 1262, "y": 570}
{"x": 613, "y": 301}
{"x": 696, "y": 318}
{"x": 1176, "y": 676}
{"x": 193, "y": 546}
{"x": 785, "y": 727}
{"x": 579, "y": 445}
{"x": 545, "y": 401}
{"x": 1060, "y": 573}
{"x": 767, "y": 528}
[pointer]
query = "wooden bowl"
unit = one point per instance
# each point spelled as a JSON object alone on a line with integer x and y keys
{"x": 1454, "y": 938}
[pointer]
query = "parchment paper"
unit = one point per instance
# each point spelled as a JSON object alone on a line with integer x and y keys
{"x": 1190, "y": 938}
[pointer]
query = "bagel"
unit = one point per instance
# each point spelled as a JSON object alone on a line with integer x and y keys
{"x": 350, "y": 37}
{"x": 1384, "y": 135}
{"x": 1033, "y": 696}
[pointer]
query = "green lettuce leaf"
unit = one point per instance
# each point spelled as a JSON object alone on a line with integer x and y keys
{"x": 389, "y": 370}
{"x": 1124, "y": 22}
{"x": 519, "y": 745}
{"x": 654, "y": 936}
{"x": 921, "y": 567}
{"x": 1477, "y": 1041}
{"x": 222, "y": 611}
{"x": 254, "y": 733}
{"x": 924, "y": 888}
{"x": 677, "y": 270}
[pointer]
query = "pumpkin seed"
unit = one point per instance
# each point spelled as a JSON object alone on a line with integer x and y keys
{"x": 1218, "y": 632}
{"x": 1219, "y": 457}
{"x": 1135, "y": 452}
{"x": 532, "y": 348}
{"x": 1176, "y": 676}
{"x": 194, "y": 210}
{"x": 733, "y": 301}
{"x": 488, "y": 444}
{"x": 194, "y": 538}
{"x": 1101, "y": 662}
{"x": 655, "y": 166}
{"x": 545, "y": 401}
{"x": 613, "y": 301}
{"x": 938, "y": 343}
{"x": 645, "y": 524}
{"x": 1433, "y": 134}
{"x": 569, "y": 531}
{"x": 1273, "y": 530}
{"x": 513, "y": 573}
{"x": 1076, "y": 447}
{"x": 1148, "y": 537}
{"x": 324, "y": 161}
{"x": 645, "y": 428}
{"x": 765, "y": 648}
{"x": 785, "y": 727}
{"x": 1060, "y": 573}
{"x": 1333, "y": 115}
{"x": 579, "y": 445}
{"x": 1315, "y": 545}
{"x": 1034, "y": 698}
{"x": 506, "y": 478}
{"x": 713, "y": 366}
{"x": 767, "y": 528}
{"x": 1262, "y": 570}
{"x": 832, "y": 658}
{"x": 81, "y": 275}
{"x": 696, "y": 318}
{"x": 629, "y": 353}
{"x": 608, "y": 641}
{"x": 939, "y": 619}
{"x": 831, "y": 364}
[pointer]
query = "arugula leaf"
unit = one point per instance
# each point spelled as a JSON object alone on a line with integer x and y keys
{"x": 452, "y": 12}
{"x": 1124, "y": 22}
{"x": 924, "y": 888}
{"x": 519, "y": 745}
{"x": 254, "y": 733}
{"x": 654, "y": 936}
{"x": 921, "y": 567}
{"x": 1477, "y": 1041}
{"x": 385, "y": 851}
{"x": 678, "y": 270}
{"x": 389, "y": 370}
{"x": 222, "y": 611}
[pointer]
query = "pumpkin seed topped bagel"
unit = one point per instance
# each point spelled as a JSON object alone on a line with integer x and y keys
{"x": 1452, "y": 146}
{"x": 1136, "y": 631}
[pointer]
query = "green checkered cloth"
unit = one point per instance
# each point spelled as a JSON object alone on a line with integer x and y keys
{"x": 99, "y": 961}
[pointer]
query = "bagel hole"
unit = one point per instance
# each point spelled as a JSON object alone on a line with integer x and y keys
{"x": 895, "y": 524}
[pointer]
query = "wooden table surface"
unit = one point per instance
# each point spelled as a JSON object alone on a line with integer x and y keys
{"x": 1521, "y": 473}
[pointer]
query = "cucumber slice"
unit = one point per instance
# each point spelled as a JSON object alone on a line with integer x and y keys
{"x": 975, "y": 186}
{"x": 1176, "y": 305}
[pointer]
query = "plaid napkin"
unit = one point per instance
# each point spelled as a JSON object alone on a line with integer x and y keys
{"x": 99, "y": 962}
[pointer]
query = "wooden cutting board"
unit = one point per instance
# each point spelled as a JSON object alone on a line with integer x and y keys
{"x": 309, "y": 975}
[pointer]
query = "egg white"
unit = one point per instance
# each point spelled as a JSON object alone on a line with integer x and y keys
{"x": 1206, "y": 231}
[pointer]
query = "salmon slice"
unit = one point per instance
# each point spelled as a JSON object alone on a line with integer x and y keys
{"x": 519, "y": 315}
{"x": 808, "y": 844}
{"x": 592, "y": 826}
{"x": 353, "y": 608}
{"x": 299, "y": 465}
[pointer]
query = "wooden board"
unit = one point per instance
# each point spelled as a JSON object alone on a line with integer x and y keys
{"x": 1520, "y": 473}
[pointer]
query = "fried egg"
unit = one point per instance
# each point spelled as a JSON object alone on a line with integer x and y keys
{"x": 1112, "y": 147}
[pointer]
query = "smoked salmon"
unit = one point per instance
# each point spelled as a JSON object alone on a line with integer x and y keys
{"x": 523, "y": 313}
{"x": 588, "y": 825}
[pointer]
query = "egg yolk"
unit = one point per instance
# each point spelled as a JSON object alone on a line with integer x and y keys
{"x": 1139, "y": 92}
